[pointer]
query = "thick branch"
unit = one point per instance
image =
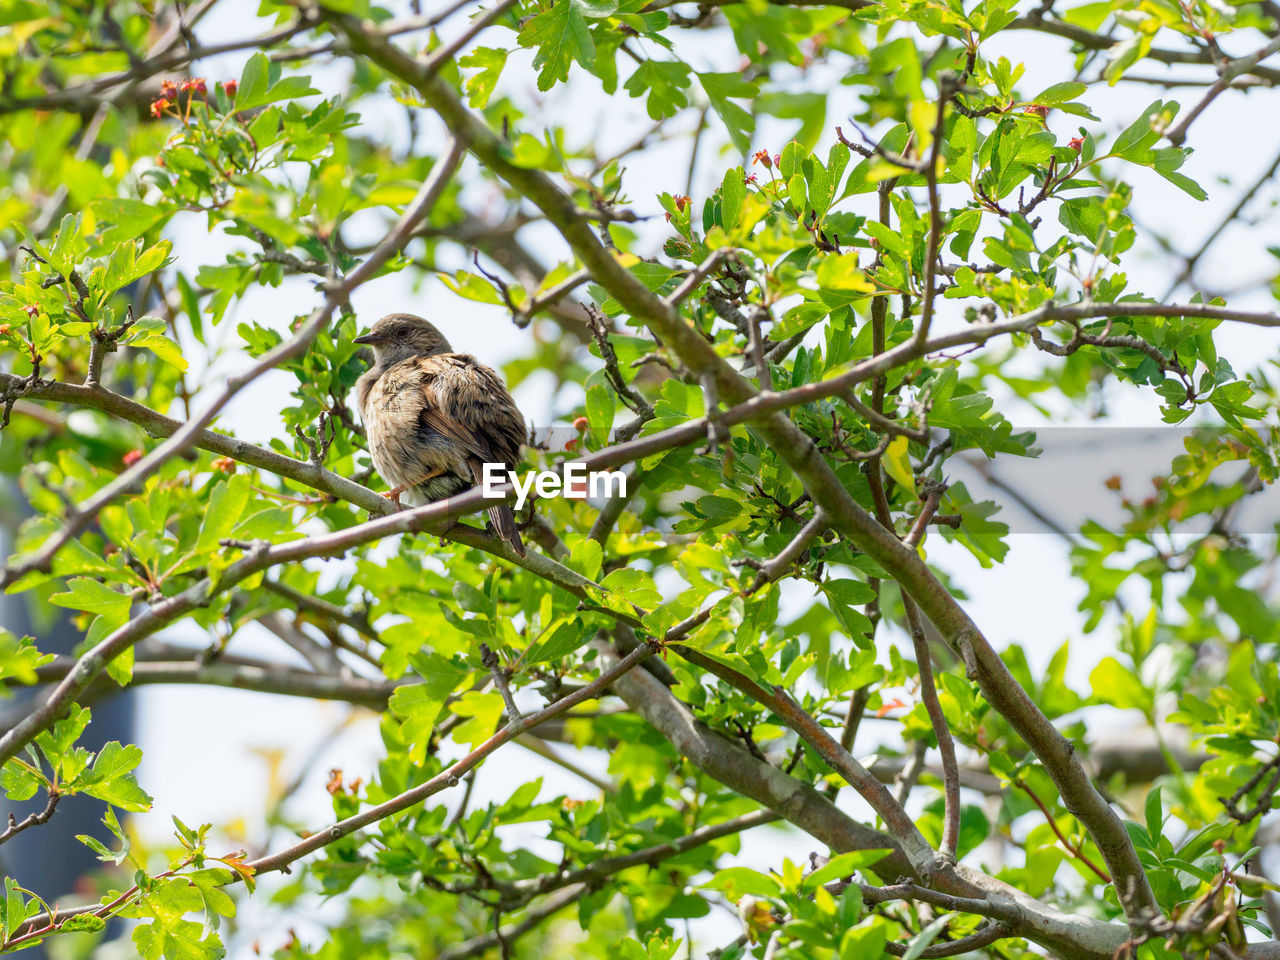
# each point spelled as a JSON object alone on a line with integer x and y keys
{"x": 261, "y": 678}
{"x": 855, "y": 774}
{"x": 158, "y": 425}
{"x": 730, "y": 764}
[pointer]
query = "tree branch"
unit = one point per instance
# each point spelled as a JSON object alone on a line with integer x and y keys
{"x": 730, "y": 764}
{"x": 16, "y": 827}
{"x": 451, "y": 775}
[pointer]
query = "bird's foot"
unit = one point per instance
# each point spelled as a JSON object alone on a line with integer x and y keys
{"x": 394, "y": 493}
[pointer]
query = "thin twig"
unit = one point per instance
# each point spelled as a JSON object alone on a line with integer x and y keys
{"x": 947, "y": 91}
{"x": 543, "y": 749}
{"x": 984, "y": 936}
{"x": 629, "y": 395}
{"x": 1071, "y": 848}
{"x": 524, "y": 316}
{"x": 32, "y": 819}
{"x": 855, "y": 774}
{"x": 1234, "y": 68}
{"x": 781, "y": 564}
{"x": 698, "y": 274}
{"x": 446, "y": 53}
{"x": 929, "y": 691}
{"x": 489, "y": 660}
{"x": 1231, "y": 803}
{"x": 1231, "y": 216}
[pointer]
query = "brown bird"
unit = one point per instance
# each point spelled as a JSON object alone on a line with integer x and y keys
{"x": 433, "y": 417}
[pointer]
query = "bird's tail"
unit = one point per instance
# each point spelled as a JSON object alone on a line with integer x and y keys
{"x": 500, "y": 515}
{"x": 504, "y": 522}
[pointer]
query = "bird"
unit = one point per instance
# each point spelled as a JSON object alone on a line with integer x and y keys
{"x": 434, "y": 417}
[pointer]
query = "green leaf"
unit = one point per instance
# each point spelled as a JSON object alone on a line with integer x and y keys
{"x": 176, "y": 939}
{"x": 19, "y": 659}
{"x": 636, "y": 586}
{"x": 865, "y": 940}
{"x": 791, "y": 159}
{"x": 127, "y": 265}
{"x": 69, "y": 244}
{"x": 796, "y": 192}
{"x": 130, "y": 219}
{"x": 920, "y": 942}
{"x": 253, "y": 80}
{"x": 665, "y": 82}
{"x": 1091, "y": 16}
{"x": 897, "y": 463}
{"x": 819, "y": 185}
{"x": 800, "y": 317}
{"x": 1166, "y": 163}
{"x": 722, "y": 89}
{"x": 95, "y": 597}
{"x": 490, "y": 61}
{"x": 1136, "y": 139}
{"x": 738, "y": 882}
{"x": 1114, "y": 683}
{"x": 417, "y": 705}
{"x": 560, "y": 33}
{"x": 56, "y": 743}
{"x": 891, "y": 241}
{"x": 210, "y": 882}
{"x": 261, "y": 84}
{"x": 843, "y": 596}
{"x": 1059, "y": 93}
{"x": 840, "y": 282}
{"x": 561, "y": 638}
{"x": 13, "y": 908}
{"x": 600, "y": 411}
{"x": 843, "y": 865}
{"x": 1154, "y": 813}
{"x": 484, "y": 711}
{"x": 148, "y": 334}
{"x": 111, "y": 778}
{"x": 226, "y": 506}
{"x": 733, "y": 193}
{"x": 1125, "y": 54}
{"x": 587, "y": 558}
{"x": 112, "y": 823}
{"x": 83, "y": 923}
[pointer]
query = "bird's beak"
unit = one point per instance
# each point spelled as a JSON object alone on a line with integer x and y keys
{"x": 368, "y": 338}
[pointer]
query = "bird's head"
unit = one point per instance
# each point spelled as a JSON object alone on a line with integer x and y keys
{"x": 398, "y": 336}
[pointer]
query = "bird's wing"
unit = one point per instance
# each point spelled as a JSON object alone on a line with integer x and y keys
{"x": 468, "y": 403}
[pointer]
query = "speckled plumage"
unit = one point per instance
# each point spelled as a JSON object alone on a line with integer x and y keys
{"x": 432, "y": 413}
